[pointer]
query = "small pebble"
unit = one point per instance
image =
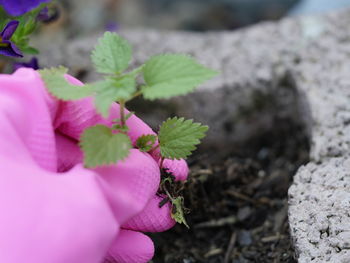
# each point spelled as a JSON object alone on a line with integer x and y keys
{"x": 244, "y": 238}
{"x": 244, "y": 213}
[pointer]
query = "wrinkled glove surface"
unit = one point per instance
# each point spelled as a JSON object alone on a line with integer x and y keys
{"x": 53, "y": 210}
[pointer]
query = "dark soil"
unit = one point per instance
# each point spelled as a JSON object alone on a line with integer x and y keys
{"x": 239, "y": 203}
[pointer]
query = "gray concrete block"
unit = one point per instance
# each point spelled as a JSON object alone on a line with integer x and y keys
{"x": 319, "y": 205}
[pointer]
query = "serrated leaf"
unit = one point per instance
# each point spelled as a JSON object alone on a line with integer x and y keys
{"x": 177, "y": 212}
{"x": 102, "y": 147}
{"x": 59, "y": 87}
{"x": 112, "y": 54}
{"x": 172, "y": 75}
{"x": 111, "y": 90}
{"x": 146, "y": 142}
{"x": 178, "y": 137}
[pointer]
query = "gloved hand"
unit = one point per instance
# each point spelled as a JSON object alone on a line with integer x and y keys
{"x": 53, "y": 210}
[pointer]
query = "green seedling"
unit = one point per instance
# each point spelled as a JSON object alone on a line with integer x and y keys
{"x": 161, "y": 77}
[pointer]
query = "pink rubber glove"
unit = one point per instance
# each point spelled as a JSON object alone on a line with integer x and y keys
{"x": 53, "y": 210}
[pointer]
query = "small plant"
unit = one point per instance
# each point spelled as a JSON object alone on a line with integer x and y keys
{"x": 160, "y": 77}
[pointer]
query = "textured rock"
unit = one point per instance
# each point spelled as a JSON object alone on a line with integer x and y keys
{"x": 319, "y": 205}
{"x": 319, "y": 199}
{"x": 295, "y": 69}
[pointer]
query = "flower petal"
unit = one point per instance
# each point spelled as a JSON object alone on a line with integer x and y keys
{"x": 9, "y": 29}
{"x": 11, "y": 50}
{"x": 43, "y": 14}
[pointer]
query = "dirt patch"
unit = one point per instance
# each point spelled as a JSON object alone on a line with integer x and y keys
{"x": 239, "y": 203}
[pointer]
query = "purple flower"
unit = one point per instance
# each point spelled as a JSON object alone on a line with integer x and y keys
{"x": 19, "y": 7}
{"x": 33, "y": 63}
{"x": 112, "y": 26}
{"x": 7, "y": 47}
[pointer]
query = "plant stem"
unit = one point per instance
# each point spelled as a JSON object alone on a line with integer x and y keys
{"x": 122, "y": 112}
{"x": 138, "y": 93}
{"x": 161, "y": 163}
{"x": 154, "y": 148}
{"x": 169, "y": 195}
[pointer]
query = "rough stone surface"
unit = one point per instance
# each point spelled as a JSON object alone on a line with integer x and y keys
{"x": 296, "y": 69}
{"x": 319, "y": 199}
{"x": 319, "y": 205}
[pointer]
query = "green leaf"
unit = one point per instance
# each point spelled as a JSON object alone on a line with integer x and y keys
{"x": 111, "y": 90}
{"x": 59, "y": 87}
{"x": 30, "y": 26}
{"x": 112, "y": 54}
{"x": 178, "y": 137}
{"x": 30, "y": 50}
{"x": 146, "y": 142}
{"x": 171, "y": 75}
{"x": 177, "y": 212}
{"x": 102, "y": 147}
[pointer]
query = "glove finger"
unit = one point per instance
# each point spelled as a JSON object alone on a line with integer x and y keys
{"x": 152, "y": 218}
{"x": 73, "y": 117}
{"x": 178, "y": 168}
{"x": 55, "y": 218}
{"x": 134, "y": 180}
{"x": 68, "y": 153}
{"x": 129, "y": 185}
{"x": 24, "y": 105}
{"x": 131, "y": 247}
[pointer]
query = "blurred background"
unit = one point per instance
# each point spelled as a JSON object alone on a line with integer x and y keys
{"x": 84, "y": 16}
